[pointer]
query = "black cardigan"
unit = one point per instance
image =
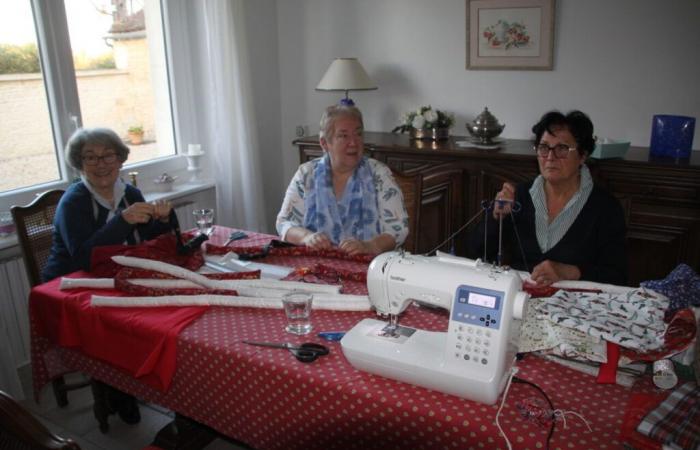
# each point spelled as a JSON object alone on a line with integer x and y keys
{"x": 595, "y": 242}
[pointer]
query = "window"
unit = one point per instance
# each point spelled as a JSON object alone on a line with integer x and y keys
{"x": 102, "y": 64}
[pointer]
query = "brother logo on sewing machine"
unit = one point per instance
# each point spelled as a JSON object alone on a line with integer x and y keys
{"x": 473, "y": 357}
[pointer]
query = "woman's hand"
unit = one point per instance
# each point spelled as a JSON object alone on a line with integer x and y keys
{"x": 355, "y": 247}
{"x": 161, "y": 210}
{"x": 139, "y": 212}
{"x": 317, "y": 241}
{"x": 548, "y": 272}
{"x": 501, "y": 208}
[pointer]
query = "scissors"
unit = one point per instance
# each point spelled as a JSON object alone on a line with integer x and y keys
{"x": 306, "y": 352}
{"x": 234, "y": 236}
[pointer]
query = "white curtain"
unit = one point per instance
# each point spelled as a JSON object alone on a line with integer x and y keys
{"x": 231, "y": 125}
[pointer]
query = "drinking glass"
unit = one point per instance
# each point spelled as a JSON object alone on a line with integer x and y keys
{"x": 297, "y": 308}
{"x": 204, "y": 218}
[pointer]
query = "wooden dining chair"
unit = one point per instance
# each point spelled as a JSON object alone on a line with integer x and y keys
{"x": 411, "y": 186}
{"x": 19, "y": 429}
{"x": 34, "y": 224}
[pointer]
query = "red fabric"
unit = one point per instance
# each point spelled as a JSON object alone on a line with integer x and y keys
{"x": 140, "y": 341}
{"x": 334, "y": 253}
{"x": 269, "y": 400}
{"x": 607, "y": 373}
{"x": 639, "y": 406}
{"x": 163, "y": 248}
{"x": 679, "y": 335}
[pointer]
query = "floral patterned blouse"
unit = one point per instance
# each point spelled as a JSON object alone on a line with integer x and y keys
{"x": 393, "y": 215}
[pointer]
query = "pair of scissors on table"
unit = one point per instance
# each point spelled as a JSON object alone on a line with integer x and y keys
{"x": 306, "y": 352}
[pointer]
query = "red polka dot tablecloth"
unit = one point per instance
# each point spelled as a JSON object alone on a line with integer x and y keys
{"x": 269, "y": 400}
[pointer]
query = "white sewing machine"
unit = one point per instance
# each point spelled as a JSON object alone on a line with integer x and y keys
{"x": 473, "y": 358}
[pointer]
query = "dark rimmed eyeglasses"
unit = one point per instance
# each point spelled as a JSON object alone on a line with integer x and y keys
{"x": 93, "y": 160}
{"x": 561, "y": 151}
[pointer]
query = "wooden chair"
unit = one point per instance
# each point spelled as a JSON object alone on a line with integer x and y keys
{"x": 411, "y": 186}
{"x": 34, "y": 224}
{"x": 20, "y": 430}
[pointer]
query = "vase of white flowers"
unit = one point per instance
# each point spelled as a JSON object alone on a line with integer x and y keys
{"x": 426, "y": 123}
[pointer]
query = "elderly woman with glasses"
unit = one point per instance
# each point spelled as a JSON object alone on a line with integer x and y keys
{"x": 100, "y": 209}
{"x": 563, "y": 226}
{"x": 343, "y": 199}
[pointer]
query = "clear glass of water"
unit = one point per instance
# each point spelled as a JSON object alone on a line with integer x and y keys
{"x": 297, "y": 308}
{"x": 204, "y": 219}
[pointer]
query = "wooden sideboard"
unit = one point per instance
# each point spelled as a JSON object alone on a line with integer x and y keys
{"x": 661, "y": 197}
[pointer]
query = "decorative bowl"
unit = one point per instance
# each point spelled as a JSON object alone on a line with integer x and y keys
{"x": 164, "y": 183}
{"x": 485, "y": 127}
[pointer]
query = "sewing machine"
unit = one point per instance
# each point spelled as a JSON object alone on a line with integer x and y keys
{"x": 473, "y": 358}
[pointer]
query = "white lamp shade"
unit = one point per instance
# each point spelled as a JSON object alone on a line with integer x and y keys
{"x": 345, "y": 74}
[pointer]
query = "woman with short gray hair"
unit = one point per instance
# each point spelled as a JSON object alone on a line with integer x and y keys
{"x": 344, "y": 198}
{"x": 99, "y": 209}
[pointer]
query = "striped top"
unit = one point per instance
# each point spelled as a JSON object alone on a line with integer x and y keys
{"x": 549, "y": 234}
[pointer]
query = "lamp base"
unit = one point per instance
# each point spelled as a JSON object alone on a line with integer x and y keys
{"x": 346, "y": 102}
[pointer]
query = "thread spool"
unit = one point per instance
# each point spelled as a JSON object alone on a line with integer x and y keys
{"x": 664, "y": 376}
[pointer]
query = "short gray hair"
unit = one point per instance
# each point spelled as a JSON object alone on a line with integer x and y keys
{"x": 101, "y": 136}
{"x": 332, "y": 113}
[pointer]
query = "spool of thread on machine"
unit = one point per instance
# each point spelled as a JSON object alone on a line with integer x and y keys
{"x": 664, "y": 375}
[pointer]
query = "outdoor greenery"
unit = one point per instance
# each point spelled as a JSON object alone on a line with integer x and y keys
{"x": 19, "y": 58}
{"x": 25, "y": 59}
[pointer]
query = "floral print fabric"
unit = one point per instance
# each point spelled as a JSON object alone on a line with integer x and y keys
{"x": 576, "y": 324}
{"x": 392, "y": 215}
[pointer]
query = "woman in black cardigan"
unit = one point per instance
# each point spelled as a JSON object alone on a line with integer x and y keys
{"x": 569, "y": 229}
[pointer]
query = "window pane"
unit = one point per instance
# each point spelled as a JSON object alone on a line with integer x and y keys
{"x": 119, "y": 60}
{"x": 27, "y": 154}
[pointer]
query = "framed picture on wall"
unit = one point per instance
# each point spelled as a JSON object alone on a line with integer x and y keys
{"x": 510, "y": 34}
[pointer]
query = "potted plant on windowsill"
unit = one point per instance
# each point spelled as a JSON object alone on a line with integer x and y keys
{"x": 136, "y": 134}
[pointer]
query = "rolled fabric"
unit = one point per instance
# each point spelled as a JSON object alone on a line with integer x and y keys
{"x": 93, "y": 283}
{"x": 170, "y": 269}
{"x": 321, "y": 301}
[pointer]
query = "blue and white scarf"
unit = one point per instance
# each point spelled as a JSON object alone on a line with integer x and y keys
{"x": 355, "y": 215}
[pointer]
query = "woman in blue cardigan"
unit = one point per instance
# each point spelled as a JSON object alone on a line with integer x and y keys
{"x": 100, "y": 209}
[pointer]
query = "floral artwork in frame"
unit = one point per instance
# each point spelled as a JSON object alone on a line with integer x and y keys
{"x": 510, "y": 34}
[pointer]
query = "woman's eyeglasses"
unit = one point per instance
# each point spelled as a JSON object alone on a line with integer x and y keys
{"x": 561, "y": 151}
{"x": 93, "y": 160}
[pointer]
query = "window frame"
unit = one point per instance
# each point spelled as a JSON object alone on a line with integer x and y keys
{"x": 60, "y": 83}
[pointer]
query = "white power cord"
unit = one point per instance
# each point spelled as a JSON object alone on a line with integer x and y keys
{"x": 513, "y": 371}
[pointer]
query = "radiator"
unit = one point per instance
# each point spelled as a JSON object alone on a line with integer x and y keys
{"x": 14, "y": 313}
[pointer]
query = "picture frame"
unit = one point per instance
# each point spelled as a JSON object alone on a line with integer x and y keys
{"x": 510, "y": 34}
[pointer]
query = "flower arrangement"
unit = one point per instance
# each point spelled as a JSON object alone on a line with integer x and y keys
{"x": 424, "y": 118}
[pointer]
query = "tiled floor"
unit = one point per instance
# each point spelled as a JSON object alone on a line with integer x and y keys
{"x": 77, "y": 422}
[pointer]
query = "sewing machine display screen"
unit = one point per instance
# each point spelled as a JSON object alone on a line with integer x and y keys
{"x": 478, "y": 306}
{"x": 487, "y": 301}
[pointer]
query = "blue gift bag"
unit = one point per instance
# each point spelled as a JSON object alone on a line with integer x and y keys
{"x": 672, "y": 136}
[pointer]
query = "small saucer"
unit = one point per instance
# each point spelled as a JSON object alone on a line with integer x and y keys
{"x": 494, "y": 146}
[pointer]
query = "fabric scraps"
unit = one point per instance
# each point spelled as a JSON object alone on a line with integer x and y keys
{"x": 632, "y": 320}
{"x": 677, "y": 419}
{"x": 681, "y": 286}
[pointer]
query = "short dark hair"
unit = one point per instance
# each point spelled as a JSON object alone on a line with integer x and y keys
{"x": 578, "y": 124}
{"x": 102, "y": 136}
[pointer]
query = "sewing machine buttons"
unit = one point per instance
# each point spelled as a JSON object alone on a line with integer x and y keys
{"x": 466, "y": 357}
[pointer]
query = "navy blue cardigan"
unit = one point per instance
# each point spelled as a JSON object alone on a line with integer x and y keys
{"x": 595, "y": 242}
{"x": 76, "y": 231}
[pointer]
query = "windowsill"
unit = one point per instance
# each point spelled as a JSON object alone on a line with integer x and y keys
{"x": 179, "y": 190}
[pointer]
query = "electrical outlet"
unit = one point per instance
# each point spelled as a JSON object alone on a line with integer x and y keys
{"x": 301, "y": 131}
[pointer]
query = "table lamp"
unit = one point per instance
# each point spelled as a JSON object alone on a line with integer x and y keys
{"x": 346, "y": 74}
